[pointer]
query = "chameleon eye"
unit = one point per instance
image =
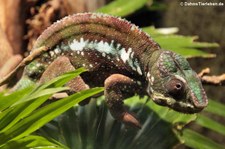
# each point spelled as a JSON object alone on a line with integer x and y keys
{"x": 175, "y": 88}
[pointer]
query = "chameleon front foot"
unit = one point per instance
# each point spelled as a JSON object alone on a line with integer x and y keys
{"x": 117, "y": 88}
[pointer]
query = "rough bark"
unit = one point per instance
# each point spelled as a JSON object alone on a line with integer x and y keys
{"x": 12, "y": 19}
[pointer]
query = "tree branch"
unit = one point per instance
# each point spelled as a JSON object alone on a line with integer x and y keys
{"x": 211, "y": 79}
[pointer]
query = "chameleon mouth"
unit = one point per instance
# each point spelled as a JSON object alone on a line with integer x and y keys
{"x": 162, "y": 100}
{"x": 184, "y": 106}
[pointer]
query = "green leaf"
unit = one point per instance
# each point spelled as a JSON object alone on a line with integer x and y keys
{"x": 63, "y": 79}
{"x": 92, "y": 126}
{"x": 210, "y": 124}
{"x": 15, "y": 114}
{"x": 184, "y": 45}
{"x": 159, "y": 31}
{"x": 157, "y": 6}
{"x": 34, "y": 142}
{"x": 40, "y": 93}
{"x": 197, "y": 141}
{"x": 216, "y": 108}
{"x": 122, "y": 7}
{"x": 21, "y": 117}
{"x": 7, "y": 101}
{"x": 56, "y": 83}
{"x": 44, "y": 115}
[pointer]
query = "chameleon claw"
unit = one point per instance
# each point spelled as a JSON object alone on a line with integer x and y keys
{"x": 130, "y": 120}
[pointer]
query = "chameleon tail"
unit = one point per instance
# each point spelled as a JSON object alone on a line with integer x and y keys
{"x": 25, "y": 61}
{"x": 6, "y": 79}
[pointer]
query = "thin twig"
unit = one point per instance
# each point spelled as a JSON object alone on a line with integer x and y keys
{"x": 211, "y": 79}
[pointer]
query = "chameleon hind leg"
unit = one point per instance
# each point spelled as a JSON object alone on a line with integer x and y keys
{"x": 117, "y": 88}
{"x": 60, "y": 66}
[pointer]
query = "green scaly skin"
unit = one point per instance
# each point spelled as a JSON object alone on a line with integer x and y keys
{"x": 119, "y": 56}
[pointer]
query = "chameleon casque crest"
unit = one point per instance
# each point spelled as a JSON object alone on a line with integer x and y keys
{"x": 118, "y": 56}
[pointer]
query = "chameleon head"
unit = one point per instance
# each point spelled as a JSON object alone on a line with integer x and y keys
{"x": 175, "y": 84}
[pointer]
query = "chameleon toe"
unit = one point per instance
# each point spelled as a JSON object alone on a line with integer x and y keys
{"x": 130, "y": 120}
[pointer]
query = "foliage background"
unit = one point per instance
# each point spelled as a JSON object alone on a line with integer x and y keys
{"x": 207, "y": 130}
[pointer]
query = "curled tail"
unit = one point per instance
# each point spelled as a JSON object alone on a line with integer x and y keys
{"x": 25, "y": 61}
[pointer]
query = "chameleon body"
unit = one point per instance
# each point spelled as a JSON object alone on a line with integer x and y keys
{"x": 118, "y": 56}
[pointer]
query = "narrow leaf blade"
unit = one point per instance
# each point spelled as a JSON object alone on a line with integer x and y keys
{"x": 210, "y": 124}
{"x": 44, "y": 115}
{"x": 195, "y": 140}
{"x": 33, "y": 142}
{"x": 216, "y": 108}
{"x": 122, "y": 8}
